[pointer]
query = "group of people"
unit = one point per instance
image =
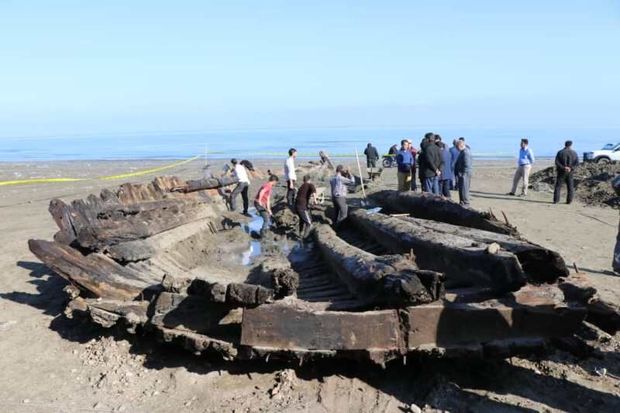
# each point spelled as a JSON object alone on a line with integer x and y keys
{"x": 299, "y": 199}
{"x": 439, "y": 168}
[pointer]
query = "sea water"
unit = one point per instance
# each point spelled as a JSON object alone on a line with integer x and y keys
{"x": 274, "y": 143}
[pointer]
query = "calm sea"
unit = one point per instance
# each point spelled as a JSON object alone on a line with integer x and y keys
{"x": 265, "y": 144}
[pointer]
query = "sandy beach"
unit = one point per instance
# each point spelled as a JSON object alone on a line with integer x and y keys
{"x": 50, "y": 363}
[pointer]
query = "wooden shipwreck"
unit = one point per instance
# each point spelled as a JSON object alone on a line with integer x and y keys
{"x": 168, "y": 258}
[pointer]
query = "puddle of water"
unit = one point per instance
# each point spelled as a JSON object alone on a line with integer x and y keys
{"x": 294, "y": 250}
{"x": 255, "y": 224}
{"x": 248, "y": 256}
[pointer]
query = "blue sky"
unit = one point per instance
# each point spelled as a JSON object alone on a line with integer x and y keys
{"x": 73, "y": 67}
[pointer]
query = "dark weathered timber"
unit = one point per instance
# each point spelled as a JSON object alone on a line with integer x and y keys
{"x": 375, "y": 280}
{"x": 463, "y": 262}
{"x": 603, "y": 314}
{"x": 188, "y": 312}
{"x": 134, "y": 211}
{"x": 197, "y": 343}
{"x": 97, "y": 228}
{"x": 233, "y": 294}
{"x": 209, "y": 183}
{"x": 142, "y": 249}
{"x": 107, "y": 313}
{"x": 286, "y": 326}
{"x": 539, "y": 263}
{"x": 434, "y": 207}
{"x": 95, "y": 273}
{"x": 459, "y": 324}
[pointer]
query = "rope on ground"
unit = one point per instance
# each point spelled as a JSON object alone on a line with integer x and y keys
{"x": 101, "y": 178}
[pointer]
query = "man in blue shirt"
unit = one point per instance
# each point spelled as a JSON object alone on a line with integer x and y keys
{"x": 524, "y": 166}
{"x": 404, "y": 161}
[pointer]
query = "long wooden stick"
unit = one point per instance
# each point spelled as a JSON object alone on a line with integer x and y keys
{"x": 359, "y": 168}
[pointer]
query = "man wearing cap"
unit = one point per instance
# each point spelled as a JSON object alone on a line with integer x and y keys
{"x": 404, "y": 162}
{"x": 242, "y": 187}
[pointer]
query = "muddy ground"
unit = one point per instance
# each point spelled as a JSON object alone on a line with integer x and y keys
{"x": 592, "y": 183}
{"x": 50, "y": 363}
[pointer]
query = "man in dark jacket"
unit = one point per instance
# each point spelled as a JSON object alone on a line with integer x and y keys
{"x": 371, "y": 156}
{"x": 430, "y": 166}
{"x": 565, "y": 162}
{"x": 420, "y": 163}
{"x": 462, "y": 171}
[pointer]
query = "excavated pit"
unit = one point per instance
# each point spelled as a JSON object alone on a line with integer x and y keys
{"x": 167, "y": 258}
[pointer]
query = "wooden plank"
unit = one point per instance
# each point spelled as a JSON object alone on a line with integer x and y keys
{"x": 460, "y": 324}
{"x": 142, "y": 249}
{"x": 463, "y": 262}
{"x": 284, "y": 326}
{"x": 188, "y": 313}
{"x": 539, "y": 263}
{"x": 434, "y": 207}
{"x": 377, "y": 280}
{"x": 96, "y": 273}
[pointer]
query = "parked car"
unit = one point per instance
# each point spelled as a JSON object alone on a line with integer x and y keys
{"x": 609, "y": 153}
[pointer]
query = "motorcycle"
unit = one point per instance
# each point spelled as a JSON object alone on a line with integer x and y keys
{"x": 389, "y": 161}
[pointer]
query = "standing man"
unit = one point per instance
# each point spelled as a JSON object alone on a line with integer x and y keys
{"x": 463, "y": 170}
{"x": 414, "y": 154}
{"x": 524, "y": 166}
{"x": 291, "y": 177}
{"x": 339, "y": 195}
{"x": 565, "y": 162}
{"x": 372, "y": 155}
{"x": 404, "y": 162}
{"x": 306, "y": 196}
{"x": 447, "y": 173}
{"x": 242, "y": 187}
{"x": 454, "y": 153}
{"x": 262, "y": 203}
{"x": 430, "y": 168}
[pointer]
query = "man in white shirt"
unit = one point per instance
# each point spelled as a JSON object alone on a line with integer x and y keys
{"x": 290, "y": 176}
{"x": 242, "y": 187}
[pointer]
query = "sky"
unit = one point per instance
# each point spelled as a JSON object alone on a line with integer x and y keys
{"x": 105, "y": 67}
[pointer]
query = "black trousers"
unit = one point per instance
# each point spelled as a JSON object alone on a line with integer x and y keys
{"x": 444, "y": 187}
{"x": 414, "y": 183}
{"x": 241, "y": 188}
{"x": 305, "y": 221}
{"x": 561, "y": 178}
{"x": 290, "y": 193}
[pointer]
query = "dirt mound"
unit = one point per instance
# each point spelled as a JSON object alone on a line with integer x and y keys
{"x": 592, "y": 183}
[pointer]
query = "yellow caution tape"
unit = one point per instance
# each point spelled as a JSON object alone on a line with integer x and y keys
{"x": 39, "y": 181}
{"x": 101, "y": 178}
{"x": 148, "y": 171}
